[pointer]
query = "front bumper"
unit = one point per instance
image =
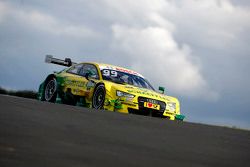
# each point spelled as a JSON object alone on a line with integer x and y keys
{"x": 123, "y": 106}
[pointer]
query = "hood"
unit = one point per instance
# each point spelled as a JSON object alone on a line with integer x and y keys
{"x": 142, "y": 92}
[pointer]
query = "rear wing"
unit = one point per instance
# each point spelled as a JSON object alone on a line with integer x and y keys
{"x": 67, "y": 62}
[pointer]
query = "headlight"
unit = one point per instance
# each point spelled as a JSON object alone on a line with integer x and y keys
{"x": 172, "y": 106}
{"x": 123, "y": 94}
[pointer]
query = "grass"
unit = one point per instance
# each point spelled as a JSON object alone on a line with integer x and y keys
{"x": 20, "y": 93}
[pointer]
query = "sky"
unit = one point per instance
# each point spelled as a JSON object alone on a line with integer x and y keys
{"x": 198, "y": 50}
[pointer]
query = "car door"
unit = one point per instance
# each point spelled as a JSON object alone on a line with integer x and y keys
{"x": 90, "y": 73}
{"x": 76, "y": 81}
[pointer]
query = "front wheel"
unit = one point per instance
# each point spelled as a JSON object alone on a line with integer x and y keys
{"x": 98, "y": 97}
{"x": 50, "y": 92}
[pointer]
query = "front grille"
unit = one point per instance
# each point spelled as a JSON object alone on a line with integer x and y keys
{"x": 141, "y": 101}
{"x": 148, "y": 111}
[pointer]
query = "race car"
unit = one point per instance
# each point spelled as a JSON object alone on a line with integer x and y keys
{"x": 106, "y": 87}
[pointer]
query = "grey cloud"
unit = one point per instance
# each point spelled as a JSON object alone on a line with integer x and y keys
{"x": 210, "y": 38}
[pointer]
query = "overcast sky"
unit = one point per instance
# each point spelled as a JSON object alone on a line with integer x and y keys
{"x": 198, "y": 50}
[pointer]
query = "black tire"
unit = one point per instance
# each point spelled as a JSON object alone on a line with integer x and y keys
{"x": 50, "y": 90}
{"x": 98, "y": 97}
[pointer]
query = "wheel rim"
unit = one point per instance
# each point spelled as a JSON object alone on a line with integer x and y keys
{"x": 98, "y": 98}
{"x": 50, "y": 89}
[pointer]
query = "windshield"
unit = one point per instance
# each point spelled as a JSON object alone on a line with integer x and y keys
{"x": 125, "y": 78}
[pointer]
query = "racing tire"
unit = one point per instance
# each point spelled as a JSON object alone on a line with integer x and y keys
{"x": 98, "y": 97}
{"x": 50, "y": 90}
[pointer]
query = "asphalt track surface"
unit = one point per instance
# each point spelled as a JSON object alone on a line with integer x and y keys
{"x": 40, "y": 134}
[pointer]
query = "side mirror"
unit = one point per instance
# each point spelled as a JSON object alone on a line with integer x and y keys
{"x": 161, "y": 89}
{"x": 88, "y": 74}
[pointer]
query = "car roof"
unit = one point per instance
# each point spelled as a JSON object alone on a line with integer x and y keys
{"x": 113, "y": 67}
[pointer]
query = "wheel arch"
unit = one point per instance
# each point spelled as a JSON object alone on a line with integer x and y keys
{"x": 49, "y": 77}
{"x": 42, "y": 87}
{"x": 99, "y": 83}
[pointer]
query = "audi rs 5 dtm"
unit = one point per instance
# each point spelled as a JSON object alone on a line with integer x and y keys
{"x": 108, "y": 87}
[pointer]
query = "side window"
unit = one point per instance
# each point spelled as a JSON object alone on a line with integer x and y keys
{"x": 89, "y": 68}
{"x": 75, "y": 69}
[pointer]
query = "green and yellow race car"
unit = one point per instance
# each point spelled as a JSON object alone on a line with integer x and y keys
{"x": 108, "y": 87}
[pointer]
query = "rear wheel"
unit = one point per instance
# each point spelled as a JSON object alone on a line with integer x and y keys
{"x": 98, "y": 97}
{"x": 50, "y": 92}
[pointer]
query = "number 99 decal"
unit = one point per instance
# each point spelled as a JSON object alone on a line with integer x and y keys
{"x": 108, "y": 73}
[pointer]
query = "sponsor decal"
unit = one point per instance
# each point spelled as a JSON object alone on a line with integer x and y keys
{"x": 152, "y": 105}
{"x": 109, "y": 67}
{"x": 126, "y": 71}
{"x": 146, "y": 93}
{"x": 75, "y": 83}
